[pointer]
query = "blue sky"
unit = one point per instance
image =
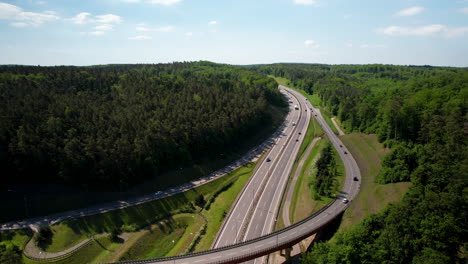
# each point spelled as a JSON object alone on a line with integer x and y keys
{"x": 85, "y": 32}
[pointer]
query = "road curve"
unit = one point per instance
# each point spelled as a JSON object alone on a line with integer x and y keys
{"x": 292, "y": 234}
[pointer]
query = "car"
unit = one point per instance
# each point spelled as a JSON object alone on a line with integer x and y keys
{"x": 158, "y": 193}
{"x": 297, "y": 140}
{"x": 355, "y": 179}
{"x": 294, "y": 124}
{"x": 341, "y": 146}
{"x": 345, "y": 152}
{"x": 268, "y": 159}
{"x": 306, "y": 110}
{"x": 300, "y": 133}
{"x": 345, "y": 200}
{"x": 315, "y": 115}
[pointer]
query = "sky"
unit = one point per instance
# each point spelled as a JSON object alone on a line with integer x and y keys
{"x": 90, "y": 32}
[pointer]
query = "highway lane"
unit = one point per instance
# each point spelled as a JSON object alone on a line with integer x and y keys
{"x": 266, "y": 213}
{"x": 232, "y": 230}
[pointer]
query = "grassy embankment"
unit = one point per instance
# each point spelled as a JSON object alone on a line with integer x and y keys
{"x": 174, "y": 235}
{"x": 373, "y": 196}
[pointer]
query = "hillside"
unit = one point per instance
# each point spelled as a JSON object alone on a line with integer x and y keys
{"x": 421, "y": 114}
{"x": 108, "y": 128}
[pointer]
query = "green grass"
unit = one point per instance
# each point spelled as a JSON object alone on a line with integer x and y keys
{"x": 181, "y": 228}
{"x": 281, "y": 81}
{"x": 86, "y": 254}
{"x": 64, "y": 238}
{"x": 218, "y": 210}
{"x": 373, "y": 197}
{"x": 156, "y": 242}
{"x": 303, "y": 204}
{"x": 15, "y": 238}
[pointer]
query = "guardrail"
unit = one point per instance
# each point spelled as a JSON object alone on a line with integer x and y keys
{"x": 252, "y": 241}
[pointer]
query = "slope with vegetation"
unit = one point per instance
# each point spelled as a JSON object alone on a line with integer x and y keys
{"x": 107, "y": 128}
{"x": 421, "y": 114}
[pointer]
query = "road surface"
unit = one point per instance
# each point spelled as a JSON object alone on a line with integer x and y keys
{"x": 247, "y": 217}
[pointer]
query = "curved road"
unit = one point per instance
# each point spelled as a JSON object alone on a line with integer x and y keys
{"x": 265, "y": 244}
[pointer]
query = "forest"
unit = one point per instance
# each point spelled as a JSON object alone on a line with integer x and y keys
{"x": 109, "y": 127}
{"x": 420, "y": 112}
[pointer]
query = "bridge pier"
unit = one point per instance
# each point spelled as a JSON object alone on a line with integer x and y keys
{"x": 287, "y": 253}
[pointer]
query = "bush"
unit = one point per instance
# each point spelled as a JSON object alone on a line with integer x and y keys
{"x": 43, "y": 238}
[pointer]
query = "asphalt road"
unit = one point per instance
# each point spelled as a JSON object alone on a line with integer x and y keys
{"x": 260, "y": 246}
{"x": 247, "y": 217}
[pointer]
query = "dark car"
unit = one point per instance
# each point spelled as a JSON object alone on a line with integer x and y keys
{"x": 355, "y": 179}
{"x": 345, "y": 152}
{"x": 268, "y": 159}
{"x": 341, "y": 146}
{"x": 300, "y": 133}
{"x": 297, "y": 140}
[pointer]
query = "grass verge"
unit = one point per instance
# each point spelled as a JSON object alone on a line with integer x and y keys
{"x": 373, "y": 197}
{"x": 220, "y": 207}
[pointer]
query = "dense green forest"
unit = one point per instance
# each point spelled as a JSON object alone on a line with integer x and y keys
{"x": 421, "y": 113}
{"x": 109, "y": 127}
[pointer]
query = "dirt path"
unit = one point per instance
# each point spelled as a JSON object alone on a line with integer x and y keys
{"x": 340, "y": 132}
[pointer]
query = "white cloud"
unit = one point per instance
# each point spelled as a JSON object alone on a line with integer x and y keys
{"x": 464, "y": 10}
{"x": 142, "y": 27}
{"x": 40, "y": 2}
{"x": 12, "y": 12}
{"x": 305, "y": 2}
{"x": 85, "y": 18}
{"x": 188, "y": 34}
{"x": 424, "y": 31}
{"x": 155, "y": 2}
{"x": 410, "y": 11}
{"x": 108, "y": 19}
{"x": 105, "y": 27}
{"x": 372, "y": 46}
{"x": 165, "y": 29}
{"x": 142, "y": 37}
{"x": 311, "y": 43}
{"x": 213, "y": 22}
{"x": 94, "y": 33}
{"x": 81, "y": 18}
{"x": 19, "y": 24}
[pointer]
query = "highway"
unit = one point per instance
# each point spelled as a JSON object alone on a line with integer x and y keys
{"x": 253, "y": 207}
{"x": 266, "y": 241}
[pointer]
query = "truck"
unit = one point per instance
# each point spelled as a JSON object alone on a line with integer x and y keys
{"x": 296, "y": 107}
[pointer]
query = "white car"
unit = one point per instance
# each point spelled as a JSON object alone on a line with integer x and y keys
{"x": 345, "y": 200}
